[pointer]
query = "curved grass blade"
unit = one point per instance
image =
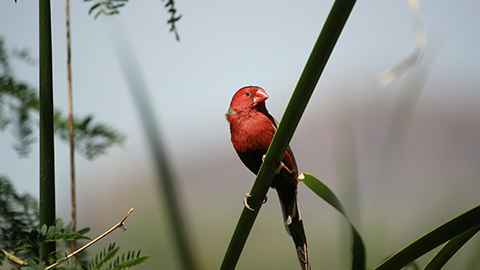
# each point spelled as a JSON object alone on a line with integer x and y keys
{"x": 165, "y": 175}
{"x": 319, "y": 188}
{"x": 450, "y": 248}
{"x": 431, "y": 240}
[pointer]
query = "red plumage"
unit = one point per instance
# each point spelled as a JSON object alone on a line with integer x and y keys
{"x": 252, "y": 129}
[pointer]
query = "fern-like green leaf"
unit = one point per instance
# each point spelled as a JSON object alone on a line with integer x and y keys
{"x": 69, "y": 227}
{"x": 83, "y": 230}
{"x": 131, "y": 262}
{"x": 123, "y": 261}
{"x": 60, "y": 236}
{"x": 106, "y": 257}
{"x": 19, "y": 109}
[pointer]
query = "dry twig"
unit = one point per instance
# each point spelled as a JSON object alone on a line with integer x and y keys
{"x": 118, "y": 225}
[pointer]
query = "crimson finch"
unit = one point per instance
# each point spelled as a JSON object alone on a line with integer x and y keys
{"x": 252, "y": 129}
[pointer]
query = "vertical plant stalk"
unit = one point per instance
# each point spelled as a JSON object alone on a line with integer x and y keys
{"x": 308, "y": 80}
{"x": 73, "y": 184}
{"x": 165, "y": 176}
{"x": 47, "y": 155}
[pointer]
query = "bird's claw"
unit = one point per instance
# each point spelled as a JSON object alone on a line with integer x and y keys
{"x": 245, "y": 199}
{"x": 247, "y": 195}
{"x": 280, "y": 167}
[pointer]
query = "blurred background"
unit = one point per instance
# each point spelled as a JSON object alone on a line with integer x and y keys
{"x": 403, "y": 159}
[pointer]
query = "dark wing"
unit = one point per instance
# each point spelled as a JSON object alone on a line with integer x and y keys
{"x": 286, "y": 185}
{"x": 289, "y": 158}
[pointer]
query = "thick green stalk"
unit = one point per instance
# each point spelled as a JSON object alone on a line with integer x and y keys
{"x": 47, "y": 166}
{"x": 308, "y": 80}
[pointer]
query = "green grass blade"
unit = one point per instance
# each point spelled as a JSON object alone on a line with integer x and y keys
{"x": 450, "y": 248}
{"x": 431, "y": 240}
{"x": 165, "y": 176}
{"x": 322, "y": 190}
{"x": 303, "y": 91}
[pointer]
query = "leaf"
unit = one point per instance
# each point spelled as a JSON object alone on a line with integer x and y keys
{"x": 322, "y": 190}
{"x": 22, "y": 130}
{"x": 58, "y": 226}
{"x": 83, "y": 231}
{"x": 102, "y": 11}
{"x": 93, "y": 8}
{"x": 19, "y": 110}
{"x": 131, "y": 262}
{"x": 43, "y": 230}
{"x": 431, "y": 240}
{"x": 33, "y": 265}
{"x": 50, "y": 230}
{"x": 69, "y": 227}
{"x": 56, "y": 236}
{"x": 107, "y": 256}
{"x": 450, "y": 248}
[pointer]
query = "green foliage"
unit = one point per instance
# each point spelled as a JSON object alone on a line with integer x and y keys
{"x": 449, "y": 249}
{"x": 322, "y": 190}
{"x": 170, "y": 5}
{"x": 91, "y": 139}
{"x": 111, "y": 7}
{"x": 59, "y": 232}
{"x": 19, "y": 223}
{"x": 123, "y": 261}
{"x": 106, "y": 7}
{"x": 460, "y": 229}
{"x": 457, "y": 232}
{"x": 33, "y": 265}
{"x": 18, "y": 216}
{"x": 21, "y": 236}
{"x": 19, "y": 108}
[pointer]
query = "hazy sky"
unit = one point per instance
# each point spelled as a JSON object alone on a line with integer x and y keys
{"x": 224, "y": 45}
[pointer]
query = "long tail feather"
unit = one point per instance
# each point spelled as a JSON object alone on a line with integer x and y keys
{"x": 294, "y": 223}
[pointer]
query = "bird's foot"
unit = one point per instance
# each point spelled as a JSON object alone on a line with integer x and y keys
{"x": 280, "y": 167}
{"x": 245, "y": 199}
{"x": 247, "y": 195}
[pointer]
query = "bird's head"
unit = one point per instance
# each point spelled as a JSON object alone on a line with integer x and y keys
{"x": 248, "y": 98}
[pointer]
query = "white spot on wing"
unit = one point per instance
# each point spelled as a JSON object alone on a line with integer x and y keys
{"x": 288, "y": 221}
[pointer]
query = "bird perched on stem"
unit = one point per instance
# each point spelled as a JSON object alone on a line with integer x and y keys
{"x": 252, "y": 129}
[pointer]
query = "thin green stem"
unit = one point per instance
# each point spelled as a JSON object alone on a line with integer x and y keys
{"x": 47, "y": 161}
{"x": 303, "y": 91}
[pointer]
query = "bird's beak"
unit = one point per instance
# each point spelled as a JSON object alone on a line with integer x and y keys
{"x": 260, "y": 96}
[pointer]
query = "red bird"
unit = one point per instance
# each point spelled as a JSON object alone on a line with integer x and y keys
{"x": 252, "y": 129}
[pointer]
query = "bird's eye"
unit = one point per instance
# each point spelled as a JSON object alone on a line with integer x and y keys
{"x": 247, "y": 94}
